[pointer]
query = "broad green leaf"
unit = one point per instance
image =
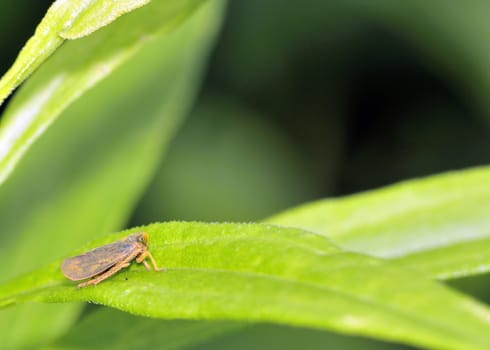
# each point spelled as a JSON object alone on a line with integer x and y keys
{"x": 457, "y": 260}
{"x": 438, "y": 223}
{"x": 259, "y": 272}
{"x": 88, "y": 16}
{"x": 74, "y": 70}
{"x": 280, "y": 337}
{"x": 85, "y": 175}
{"x": 111, "y": 329}
{"x": 65, "y": 19}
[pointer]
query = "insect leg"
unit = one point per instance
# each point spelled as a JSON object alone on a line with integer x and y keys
{"x": 146, "y": 265}
{"x": 147, "y": 254}
{"x": 99, "y": 278}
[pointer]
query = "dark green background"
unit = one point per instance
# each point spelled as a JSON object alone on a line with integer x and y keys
{"x": 312, "y": 99}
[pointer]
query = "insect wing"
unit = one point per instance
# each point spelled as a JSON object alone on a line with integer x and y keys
{"x": 95, "y": 261}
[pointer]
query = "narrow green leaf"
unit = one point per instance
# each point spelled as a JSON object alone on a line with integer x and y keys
{"x": 108, "y": 328}
{"x": 280, "y": 337}
{"x": 458, "y": 260}
{"x": 91, "y": 15}
{"x": 72, "y": 71}
{"x": 276, "y": 274}
{"x": 112, "y": 329}
{"x": 65, "y": 19}
{"x": 437, "y": 223}
{"x": 85, "y": 175}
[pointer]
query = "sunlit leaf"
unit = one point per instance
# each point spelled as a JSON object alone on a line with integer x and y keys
{"x": 64, "y": 19}
{"x": 440, "y": 223}
{"x": 87, "y": 172}
{"x": 74, "y": 69}
{"x": 267, "y": 273}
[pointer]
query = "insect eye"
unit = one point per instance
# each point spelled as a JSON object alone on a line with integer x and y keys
{"x": 143, "y": 238}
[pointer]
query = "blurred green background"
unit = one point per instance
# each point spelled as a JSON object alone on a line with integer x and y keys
{"x": 327, "y": 98}
{"x": 313, "y": 99}
{"x": 318, "y": 99}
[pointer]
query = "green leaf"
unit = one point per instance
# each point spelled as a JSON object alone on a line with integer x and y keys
{"x": 75, "y": 69}
{"x": 280, "y": 337}
{"x": 87, "y": 172}
{"x": 84, "y": 19}
{"x": 439, "y": 225}
{"x": 458, "y": 260}
{"x": 260, "y": 272}
{"x": 64, "y": 20}
{"x": 111, "y": 329}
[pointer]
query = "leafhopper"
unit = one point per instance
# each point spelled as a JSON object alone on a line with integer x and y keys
{"x": 103, "y": 262}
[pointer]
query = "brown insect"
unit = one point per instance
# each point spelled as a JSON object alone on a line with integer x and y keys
{"x": 103, "y": 262}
